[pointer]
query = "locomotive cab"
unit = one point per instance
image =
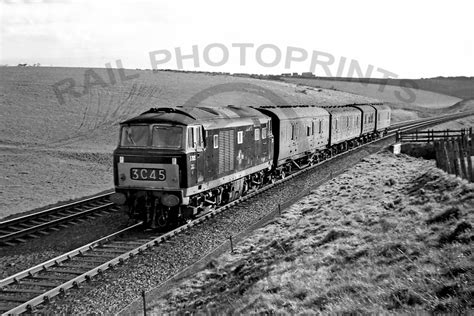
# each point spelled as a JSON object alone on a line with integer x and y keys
{"x": 150, "y": 169}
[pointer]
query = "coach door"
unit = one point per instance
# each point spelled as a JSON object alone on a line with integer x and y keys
{"x": 264, "y": 137}
{"x": 195, "y": 145}
{"x": 258, "y": 143}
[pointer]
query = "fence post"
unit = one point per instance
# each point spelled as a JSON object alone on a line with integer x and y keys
{"x": 144, "y": 303}
{"x": 469, "y": 152}
{"x": 462, "y": 158}
{"x": 437, "y": 153}
{"x": 447, "y": 167}
{"x": 457, "y": 165}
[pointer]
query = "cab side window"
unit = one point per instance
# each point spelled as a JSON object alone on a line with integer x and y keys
{"x": 216, "y": 141}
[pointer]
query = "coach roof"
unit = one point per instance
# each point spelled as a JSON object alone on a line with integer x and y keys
{"x": 295, "y": 111}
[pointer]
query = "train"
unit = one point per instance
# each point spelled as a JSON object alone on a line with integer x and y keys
{"x": 173, "y": 164}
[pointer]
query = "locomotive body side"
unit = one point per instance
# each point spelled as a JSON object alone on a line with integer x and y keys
{"x": 237, "y": 145}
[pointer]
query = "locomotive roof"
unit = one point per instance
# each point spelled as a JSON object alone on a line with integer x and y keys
{"x": 209, "y": 117}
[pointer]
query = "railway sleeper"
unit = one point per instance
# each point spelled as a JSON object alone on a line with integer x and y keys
{"x": 19, "y": 290}
{"x": 65, "y": 271}
{"x": 101, "y": 255}
{"x": 77, "y": 266}
{"x": 51, "y": 277}
{"x": 129, "y": 247}
{"x": 45, "y": 284}
{"x": 11, "y": 298}
{"x": 109, "y": 250}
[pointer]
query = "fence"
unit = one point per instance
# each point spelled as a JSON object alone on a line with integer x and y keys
{"x": 455, "y": 155}
{"x": 431, "y": 135}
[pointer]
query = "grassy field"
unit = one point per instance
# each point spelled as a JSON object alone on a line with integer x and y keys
{"x": 392, "y": 235}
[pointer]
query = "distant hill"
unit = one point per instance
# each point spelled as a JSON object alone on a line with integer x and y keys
{"x": 460, "y": 87}
{"x": 407, "y": 104}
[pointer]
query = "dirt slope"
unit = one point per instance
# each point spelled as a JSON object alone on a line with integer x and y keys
{"x": 392, "y": 235}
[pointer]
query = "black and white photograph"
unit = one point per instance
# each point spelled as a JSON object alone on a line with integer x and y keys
{"x": 210, "y": 157}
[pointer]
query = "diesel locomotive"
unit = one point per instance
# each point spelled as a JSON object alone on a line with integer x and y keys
{"x": 174, "y": 163}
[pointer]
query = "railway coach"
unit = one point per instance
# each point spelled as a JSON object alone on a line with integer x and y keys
{"x": 301, "y": 135}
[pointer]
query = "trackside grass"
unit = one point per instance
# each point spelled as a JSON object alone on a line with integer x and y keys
{"x": 392, "y": 235}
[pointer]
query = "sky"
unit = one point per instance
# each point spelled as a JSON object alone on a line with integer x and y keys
{"x": 368, "y": 38}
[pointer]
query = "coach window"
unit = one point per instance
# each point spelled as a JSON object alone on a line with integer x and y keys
{"x": 335, "y": 126}
{"x": 216, "y": 141}
{"x": 240, "y": 137}
{"x": 257, "y": 134}
{"x": 293, "y": 130}
{"x": 264, "y": 132}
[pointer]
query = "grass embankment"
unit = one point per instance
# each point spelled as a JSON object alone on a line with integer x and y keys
{"x": 392, "y": 235}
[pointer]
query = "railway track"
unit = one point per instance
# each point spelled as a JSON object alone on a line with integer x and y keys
{"x": 36, "y": 285}
{"x": 23, "y": 228}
